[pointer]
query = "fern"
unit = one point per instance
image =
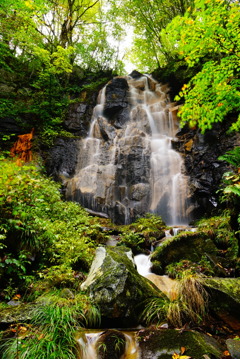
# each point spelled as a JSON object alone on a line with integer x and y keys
{"x": 235, "y": 189}
{"x": 232, "y": 157}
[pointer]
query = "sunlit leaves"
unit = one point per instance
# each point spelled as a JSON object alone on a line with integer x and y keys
{"x": 209, "y": 37}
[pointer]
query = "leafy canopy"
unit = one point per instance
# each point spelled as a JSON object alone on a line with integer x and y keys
{"x": 208, "y": 37}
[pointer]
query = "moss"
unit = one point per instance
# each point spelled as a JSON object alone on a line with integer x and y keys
{"x": 186, "y": 245}
{"x": 225, "y": 292}
{"x": 118, "y": 289}
{"x": 224, "y": 296}
{"x": 179, "y": 269}
{"x": 164, "y": 343}
{"x": 18, "y": 314}
{"x": 140, "y": 234}
{"x": 221, "y": 233}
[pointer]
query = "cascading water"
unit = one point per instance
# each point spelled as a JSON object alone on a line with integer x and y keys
{"x": 88, "y": 344}
{"x": 127, "y": 168}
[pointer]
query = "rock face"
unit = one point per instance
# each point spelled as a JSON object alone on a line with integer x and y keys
{"x": 200, "y": 153}
{"x": 233, "y": 346}
{"x": 62, "y": 159}
{"x": 116, "y": 108}
{"x": 78, "y": 117}
{"x": 116, "y": 287}
{"x": 128, "y": 161}
{"x": 126, "y": 166}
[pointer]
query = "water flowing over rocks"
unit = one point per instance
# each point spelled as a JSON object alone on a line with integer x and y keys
{"x": 126, "y": 165}
{"x": 132, "y": 158}
{"x": 116, "y": 287}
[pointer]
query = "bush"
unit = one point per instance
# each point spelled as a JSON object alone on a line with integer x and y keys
{"x": 38, "y": 229}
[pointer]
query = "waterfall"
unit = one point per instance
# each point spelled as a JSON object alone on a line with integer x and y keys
{"x": 88, "y": 343}
{"x": 127, "y": 166}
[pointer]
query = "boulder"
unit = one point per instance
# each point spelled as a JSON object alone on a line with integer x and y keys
{"x": 116, "y": 287}
{"x": 186, "y": 245}
{"x": 233, "y": 346}
{"x": 163, "y": 343}
{"x": 21, "y": 313}
{"x": 224, "y": 295}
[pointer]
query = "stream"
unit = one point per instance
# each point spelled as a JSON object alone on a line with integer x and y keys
{"x": 88, "y": 340}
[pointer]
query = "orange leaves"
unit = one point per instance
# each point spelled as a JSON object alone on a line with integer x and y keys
{"x": 19, "y": 329}
{"x": 178, "y": 356}
{"x": 226, "y": 353}
{"x": 181, "y": 356}
{"x": 22, "y": 148}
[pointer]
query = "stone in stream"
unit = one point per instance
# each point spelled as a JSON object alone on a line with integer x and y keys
{"x": 116, "y": 287}
{"x": 233, "y": 346}
{"x": 163, "y": 343}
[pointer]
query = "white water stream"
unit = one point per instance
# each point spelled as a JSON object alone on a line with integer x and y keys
{"x": 88, "y": 343}
{"x": 103, "y": 182}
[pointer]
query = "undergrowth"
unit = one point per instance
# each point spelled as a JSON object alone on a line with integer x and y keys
{"x": 52, "y": 331}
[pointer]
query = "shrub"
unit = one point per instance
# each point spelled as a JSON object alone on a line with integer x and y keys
{"x": 38, "y": 229}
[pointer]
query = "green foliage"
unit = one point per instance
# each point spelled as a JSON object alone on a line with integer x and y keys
{"x": 232, "y": 157}
{"x": 52, "y": 331}
{"x": 231, "y": 179}
{"x": 148, "y": 18}
{"x": 208, "y": 36}
{"x": 38, "y": 228}
{"x": 178, "y": 270}
{"x": 133, "y": 241}
{"x": 140, "y": 234}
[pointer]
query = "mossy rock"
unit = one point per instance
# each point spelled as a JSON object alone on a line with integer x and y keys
{"x": 163, "y": 343}
{"x": 221, "y": 233}
{"x": 116, "y": 287}
{"x": 111, "y": 344}
{"x": 186, "y": 245}
{"x": 224, "y": 295}
{"x": 21, "y": 313}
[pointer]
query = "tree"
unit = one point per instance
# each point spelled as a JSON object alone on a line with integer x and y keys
{"x": 149, "y": 17}
{"x": 210, "y": 38}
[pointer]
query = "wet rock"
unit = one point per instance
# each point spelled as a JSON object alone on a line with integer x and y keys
{"x": 200, "y": 153}
{"x": 107, "y": 131}
{"x": 135, "y": 74}
{"x": 79, "y": 116}
{"x": 139, "y": 191}
{"x": 224, "y": 295}
{"x": 187, "y": 245}
{"x": 62, "y": 159}
{"x": 111, "y": 344}
{"x": 162, "y": 344}
{"x": 233, "y": 346}
{"x": 17, "y": 314}
{"x": 116, "y": 105}
{"x": 116, "y": 287}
